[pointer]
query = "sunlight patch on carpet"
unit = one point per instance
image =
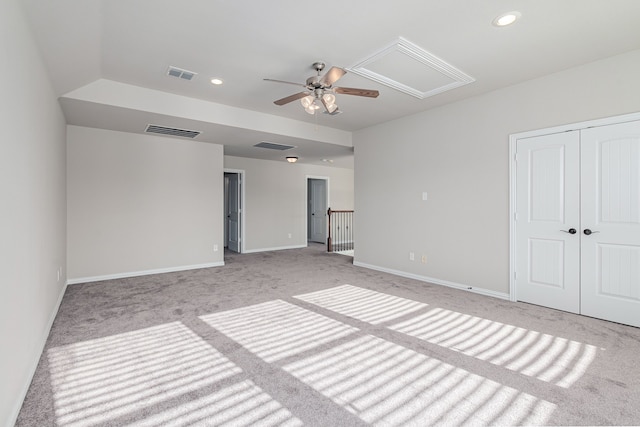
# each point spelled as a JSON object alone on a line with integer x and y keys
{"x": 276, "y": 329}
{"x": 548, "y": 358}
{"x": 362, "y": 304}
{"x": 239, "y": 405}
{"x": 386, "y": 384}
{"x": 98, "y": 381}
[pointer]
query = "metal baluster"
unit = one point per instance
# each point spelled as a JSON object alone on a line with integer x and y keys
{"x": 341, "y": 230}
{"x": 342, "y": 239}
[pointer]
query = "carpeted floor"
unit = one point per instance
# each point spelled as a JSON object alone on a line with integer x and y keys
{"x": 302, "y": 337}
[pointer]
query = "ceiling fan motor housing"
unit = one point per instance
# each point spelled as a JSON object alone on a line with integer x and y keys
{"x": 314, "y": 82}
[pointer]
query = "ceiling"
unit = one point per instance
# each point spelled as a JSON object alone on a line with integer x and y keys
{"x": 108, "y": 60}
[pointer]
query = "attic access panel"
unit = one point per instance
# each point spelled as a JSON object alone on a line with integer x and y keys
{"x": 408, "y": 68}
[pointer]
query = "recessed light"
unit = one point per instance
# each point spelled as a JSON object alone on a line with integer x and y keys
{"x": 327, "y": 160}
{"x": 292, "y": 159}
{"x": 506, "y": 19}
{"x": 216, "y": 81}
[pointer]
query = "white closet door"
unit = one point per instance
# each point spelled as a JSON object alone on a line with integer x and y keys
{"x": 548, "y": 221}
{"x": 610, "y": 181}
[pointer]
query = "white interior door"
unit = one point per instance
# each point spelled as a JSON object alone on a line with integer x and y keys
{"x": 233, "y": 212}
{"x": 611, "y": 213}
{"x": 318, "y": 210}
{"x": 548, "y": 221}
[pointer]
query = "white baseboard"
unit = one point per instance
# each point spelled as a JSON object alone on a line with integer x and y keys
{"x": 143, "y": 273}
{"x": 36, "y": 359}
{"x": 279, "y": 248}
{"x": 481, "y": 291}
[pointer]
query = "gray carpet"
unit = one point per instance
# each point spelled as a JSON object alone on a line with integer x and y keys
{"x": 302, "y": 337}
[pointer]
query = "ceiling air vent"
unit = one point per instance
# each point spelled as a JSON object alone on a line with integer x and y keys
{"x": 163, "y": 130}
{"x": 274, "y": 146}
{"x": 180, "y": 73}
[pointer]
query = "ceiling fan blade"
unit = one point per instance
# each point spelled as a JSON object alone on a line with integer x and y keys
{"x": 359, "y": 92}
{"x": 332, "y": 76}
{"x": 291, "y": 98}
{"x": 282, "y": 81}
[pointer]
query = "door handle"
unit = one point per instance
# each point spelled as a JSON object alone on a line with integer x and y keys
{"x": 570, "y": 231}
{"x": 589, "y": 232}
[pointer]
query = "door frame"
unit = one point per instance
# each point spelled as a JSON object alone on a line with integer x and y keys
{"x": 243, "y": 208}
{"x": 513, "y": 139}
{"x": 306, "y": 202}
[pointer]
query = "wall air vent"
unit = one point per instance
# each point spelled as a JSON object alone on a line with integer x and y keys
{"x": 163, "y": 130}
{"x": 180, "y": 73}
{"x": 274, "y": 146}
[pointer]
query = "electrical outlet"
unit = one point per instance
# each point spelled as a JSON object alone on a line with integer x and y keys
{"x": 289, "y": 235}
{"x": 412, "y": 256}
{"x": 215, "y": 248}
{"x": 424, "y": 259}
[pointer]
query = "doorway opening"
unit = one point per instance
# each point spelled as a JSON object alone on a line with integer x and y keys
{"x": 233, "y": 210}
{"x": 317, "y": 206}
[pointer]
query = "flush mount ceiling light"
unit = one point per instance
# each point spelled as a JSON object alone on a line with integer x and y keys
{"x": 216, "y": 81}
{"x": 292, "y": 159}
{"x": 506, "y": 19}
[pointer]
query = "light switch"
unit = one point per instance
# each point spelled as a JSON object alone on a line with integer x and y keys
{"x": 424, "y": 195}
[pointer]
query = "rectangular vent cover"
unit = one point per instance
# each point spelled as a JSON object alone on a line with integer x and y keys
{"x": 180, "y": 73}
{"x": 274, "y": 146}
{"x": 163, "y": 130}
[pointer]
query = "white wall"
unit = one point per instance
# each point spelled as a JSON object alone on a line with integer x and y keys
{"x": 141, "y": 203}
{"x": 33, "y": 208}
{"x": 458, "y": 154}
{"x": 276, "y": 200}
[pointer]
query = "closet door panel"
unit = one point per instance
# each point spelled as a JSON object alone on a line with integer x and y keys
{"x": 547, "y": 206}
{"x": 610, "y": 233}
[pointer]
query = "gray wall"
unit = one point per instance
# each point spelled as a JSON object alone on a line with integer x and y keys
{"x": 458, "y": 154}
{"x": 32, "y": 230}
{"x": 276, "y": 199}
{"x": 141, "y": 203}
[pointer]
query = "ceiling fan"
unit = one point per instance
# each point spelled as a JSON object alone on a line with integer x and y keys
{"x": 320, "y": 90}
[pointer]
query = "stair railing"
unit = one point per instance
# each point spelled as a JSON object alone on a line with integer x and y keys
{"x": 340, "y": 230}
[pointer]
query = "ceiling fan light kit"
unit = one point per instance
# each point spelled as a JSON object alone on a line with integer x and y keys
{"x": 309, "y": 104}
{"x": 320, "y": 91}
